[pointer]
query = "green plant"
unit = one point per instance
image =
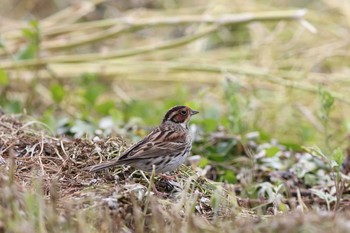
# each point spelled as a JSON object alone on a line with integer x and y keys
{"x": 327, "y": 101}
{"x": 234, "y": 105}
{"x": 32, "y": 48}
{"x": 334, "y": 161}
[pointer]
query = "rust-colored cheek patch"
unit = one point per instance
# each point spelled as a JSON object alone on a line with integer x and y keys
{"x": 180, "y": 118}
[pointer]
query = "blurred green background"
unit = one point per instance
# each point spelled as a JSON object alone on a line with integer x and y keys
{"x": 105, "y": 67}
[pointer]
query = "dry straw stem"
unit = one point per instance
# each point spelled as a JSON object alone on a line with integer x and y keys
{"x": 117, "y": 67}
{"x": 226, "y": 19}
{"x": 129, "y": 24}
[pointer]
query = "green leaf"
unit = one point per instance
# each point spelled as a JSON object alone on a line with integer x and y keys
{"x": 216, "y": 157}
{"x": 283, "y": 207}
{"x": 33, "y": 39}
{"x": 32, "y": 33}
{"x": 4, "y": 80}
{"x": 230, "y": 177}
{"x": 327, "y": 99}
{"x": 92, "y": 93}
{"x": 13, "y": 106}
{"x": 272, "y": 151}
{"x": 264, "y": 136}
{"x": 28, "y": 33}
{"x": 57, "y": 92}
{"x": 105, "y": 107}
{"x": 34, "y": 24}
{"x": 203, "y": 162}
{"x": 292, "y": 146}
{"x": 27, "y": 52}
{"x": 338, "y": 156}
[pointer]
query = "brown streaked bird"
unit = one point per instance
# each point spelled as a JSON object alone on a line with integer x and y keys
{"x": 166, "y": 147}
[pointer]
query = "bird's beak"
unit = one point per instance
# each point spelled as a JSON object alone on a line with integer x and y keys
{"x": 193, "y": 112}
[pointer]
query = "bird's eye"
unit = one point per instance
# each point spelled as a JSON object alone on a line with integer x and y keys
{"x": 183, "y": 112}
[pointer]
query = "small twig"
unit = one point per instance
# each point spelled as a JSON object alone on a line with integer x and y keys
{"x": 142, "y": 174}
{"x": 59, "y": 155}
{"x": 39, "y": 155}
{"x": 150, "y": 186}
{"x": 84, "y": 39}
{"x": 64, "y": 151}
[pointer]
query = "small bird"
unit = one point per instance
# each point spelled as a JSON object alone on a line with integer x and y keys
{"x": 166, "y": 147}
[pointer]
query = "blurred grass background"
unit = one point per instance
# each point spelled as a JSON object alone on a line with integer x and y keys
{"x": 84, "y": 66}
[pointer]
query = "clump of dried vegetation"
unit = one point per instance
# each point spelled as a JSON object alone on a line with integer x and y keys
{"x": 44, "y": 188}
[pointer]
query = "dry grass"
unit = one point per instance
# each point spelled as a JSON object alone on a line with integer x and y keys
{"x": 44, "y": 188}
{"x": 43, "y": 177}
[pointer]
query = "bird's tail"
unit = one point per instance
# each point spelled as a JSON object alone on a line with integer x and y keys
{"x": 102, "y": 166}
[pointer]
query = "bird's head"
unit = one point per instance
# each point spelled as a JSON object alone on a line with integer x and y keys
{"x": 179, "y": 115}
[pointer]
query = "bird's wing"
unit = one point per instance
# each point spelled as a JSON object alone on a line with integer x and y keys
{"x": 160, "y": 142}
